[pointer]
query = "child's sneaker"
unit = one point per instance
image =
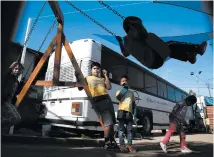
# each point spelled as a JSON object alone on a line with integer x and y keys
{"x": 186, "y": 150}
{"x": 108, "y": 146}
{"x": 131, "y": 149}
{"x": 114, "y": 145}
{"x": 123, "y": 149}
{"x": 163, "y": 146}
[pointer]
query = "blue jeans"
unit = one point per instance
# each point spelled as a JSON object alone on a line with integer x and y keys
{"x": 122, "y": 129}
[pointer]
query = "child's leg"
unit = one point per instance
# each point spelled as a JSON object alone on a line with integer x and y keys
{"x": 172, "y": 128}
{"x": 129, "y": 132}
{"x": 130, "y": 136}
{"x": 180, "y": 130}
{"x": 182, "y": 140}
{"x": 121, "y": 131}
{"x": 184, "y": 148}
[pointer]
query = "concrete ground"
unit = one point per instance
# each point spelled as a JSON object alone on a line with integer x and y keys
{"x": 202, "y": 144}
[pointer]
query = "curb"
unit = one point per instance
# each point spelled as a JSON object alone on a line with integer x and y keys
{"x": 35, "y": 140}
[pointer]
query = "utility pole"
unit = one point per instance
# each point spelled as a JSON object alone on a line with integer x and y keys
{"x": 25, "y": 46}
{"x": 208, "y": 86}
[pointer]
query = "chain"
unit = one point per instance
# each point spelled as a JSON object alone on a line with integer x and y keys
{"x": 52, "y": 26}
{"x": 90, "y": 18}
{"x": 110, "y": 8}
{"x": 47, "y": 34}
{"x": 34, "y": 24}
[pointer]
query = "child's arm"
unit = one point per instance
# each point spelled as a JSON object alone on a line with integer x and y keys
{"x": 107, "y": 81}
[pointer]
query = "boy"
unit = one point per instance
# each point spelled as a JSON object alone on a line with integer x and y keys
{"x": 102, "y": 103}
{"x": 125, "y": 115}
{"x": 177, "y": 121}
{"x": 9, "y": 113}
{"x": 135, "y": 43}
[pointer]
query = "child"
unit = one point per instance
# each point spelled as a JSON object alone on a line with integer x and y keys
{"x": 124, "y": 115}
{"x": 136, "y": 43}
{"x": 102, "y": 103}
{"x": 177, "y": 122}
{"x": 9, "y": 113}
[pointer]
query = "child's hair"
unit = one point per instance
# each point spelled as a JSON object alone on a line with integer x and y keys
{"x": 95, "y": 64}
{"x": 190, "y": 100}
{"x": 14, "y": 64}
{"x": 124, "y": 76}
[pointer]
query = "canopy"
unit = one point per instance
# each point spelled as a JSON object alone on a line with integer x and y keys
{"x": 208, "y": 101}
{"x": 201, "y": 6}
{"x": 192, "y": 38}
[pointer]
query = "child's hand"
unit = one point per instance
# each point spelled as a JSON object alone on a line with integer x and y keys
{"x": 104, "y": 72}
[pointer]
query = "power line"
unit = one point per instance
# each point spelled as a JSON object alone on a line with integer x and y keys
{"x": 94, "y": 9}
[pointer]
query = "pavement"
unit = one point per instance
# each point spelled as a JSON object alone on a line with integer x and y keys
{"x": 13, "y": 146}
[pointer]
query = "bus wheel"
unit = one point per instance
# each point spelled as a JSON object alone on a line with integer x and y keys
{"x": 147, "y": 125}
{"x": 163, "y": 131}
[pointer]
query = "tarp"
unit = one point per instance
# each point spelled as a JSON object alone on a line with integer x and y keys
{"x": 192, "y": 38}
{"x": 208, "y": 101}
{"x": 200, "y": 6}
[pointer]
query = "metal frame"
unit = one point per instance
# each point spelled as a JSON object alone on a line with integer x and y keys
{"x": 57, "y": 41}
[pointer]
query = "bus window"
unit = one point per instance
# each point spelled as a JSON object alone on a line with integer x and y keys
{"x": 117, "y": 72}
{"x": 162, "y": 90}
{"x": 171, "y": 93}
{"x": 114, "y": 64}
{"x": 135, "y": 78}
{"x": 178, "y": 96}
{"x": 150, "y": 84}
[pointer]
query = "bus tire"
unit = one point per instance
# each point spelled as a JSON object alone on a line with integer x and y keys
{"x": 163, "y": 131}
{"x": 147, "y": 125}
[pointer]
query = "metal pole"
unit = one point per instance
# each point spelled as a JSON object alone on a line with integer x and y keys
{"x": 25, "y": 46}
{"x": 22, "y": 60}
{"x": 208, "y": 86}
{"x": 197, "y": 84}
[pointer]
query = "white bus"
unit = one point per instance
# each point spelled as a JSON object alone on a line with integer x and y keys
{"x": 70, "y": 108}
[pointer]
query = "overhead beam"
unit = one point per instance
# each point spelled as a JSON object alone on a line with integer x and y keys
{"x": 60, "y": 83}
{"x": 57, "y": 11}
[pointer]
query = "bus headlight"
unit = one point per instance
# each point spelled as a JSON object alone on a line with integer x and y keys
{"x": 76, "y": 108}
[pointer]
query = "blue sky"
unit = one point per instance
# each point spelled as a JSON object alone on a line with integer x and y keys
{"x": 161, "y": 19}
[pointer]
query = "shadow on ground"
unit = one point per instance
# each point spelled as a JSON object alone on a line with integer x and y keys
{"x": 144, "y": 150}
